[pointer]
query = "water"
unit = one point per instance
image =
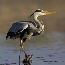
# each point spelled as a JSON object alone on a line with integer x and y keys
{"x": 48, "y": 49}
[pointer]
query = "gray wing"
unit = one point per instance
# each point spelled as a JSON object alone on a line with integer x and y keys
{"x": 16, "y": 28}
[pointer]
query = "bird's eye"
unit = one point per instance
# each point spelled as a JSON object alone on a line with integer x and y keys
{"x": 46, "y": 11}
{"x": 42, "y": 11}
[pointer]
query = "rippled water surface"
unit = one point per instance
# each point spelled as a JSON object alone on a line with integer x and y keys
{"x": 48, "y": 49}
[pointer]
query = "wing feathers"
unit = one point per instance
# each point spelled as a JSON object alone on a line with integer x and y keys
{"x": 16, "y": 29}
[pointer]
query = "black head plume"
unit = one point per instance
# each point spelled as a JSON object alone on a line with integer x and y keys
{"x": 38, "y": 10}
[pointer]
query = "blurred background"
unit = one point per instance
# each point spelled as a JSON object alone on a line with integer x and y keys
{"x": 16, "y": 10}
{"x": 48, "y": 48}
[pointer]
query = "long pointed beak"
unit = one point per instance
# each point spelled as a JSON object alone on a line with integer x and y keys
{"x": 49, "y": 13}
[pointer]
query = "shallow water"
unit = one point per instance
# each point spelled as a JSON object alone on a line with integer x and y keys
{"x": 48, "y": 49}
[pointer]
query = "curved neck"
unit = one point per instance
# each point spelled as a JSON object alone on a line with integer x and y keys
{"x": 40, "y": 26}
{"x": 36, "y": 20}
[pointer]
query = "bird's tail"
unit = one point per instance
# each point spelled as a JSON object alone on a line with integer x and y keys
{"x": 9, "y": 35}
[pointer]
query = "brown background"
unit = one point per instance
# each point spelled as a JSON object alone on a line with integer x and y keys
{"x": 16, "y": 10}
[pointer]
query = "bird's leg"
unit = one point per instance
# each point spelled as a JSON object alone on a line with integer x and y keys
{"x": 30, "y": 35}
{"x": 21, "y": 45}
{"x": 21, "y": 48}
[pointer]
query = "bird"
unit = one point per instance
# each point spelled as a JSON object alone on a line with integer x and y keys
{"x": 27, "y": 29}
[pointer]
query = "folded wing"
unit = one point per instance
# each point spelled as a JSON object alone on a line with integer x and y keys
{"x": 16, "y": 29}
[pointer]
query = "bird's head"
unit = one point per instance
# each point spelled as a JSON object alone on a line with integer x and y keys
{"x": 40, "y": 12}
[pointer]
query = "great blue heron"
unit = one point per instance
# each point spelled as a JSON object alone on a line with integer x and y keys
{"x": 26, "y": 29}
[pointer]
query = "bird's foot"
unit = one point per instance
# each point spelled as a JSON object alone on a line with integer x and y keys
{"x": 27, "y": 60}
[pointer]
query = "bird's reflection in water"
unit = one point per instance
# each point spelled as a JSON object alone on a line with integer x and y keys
{"x": 28, "y": 59}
